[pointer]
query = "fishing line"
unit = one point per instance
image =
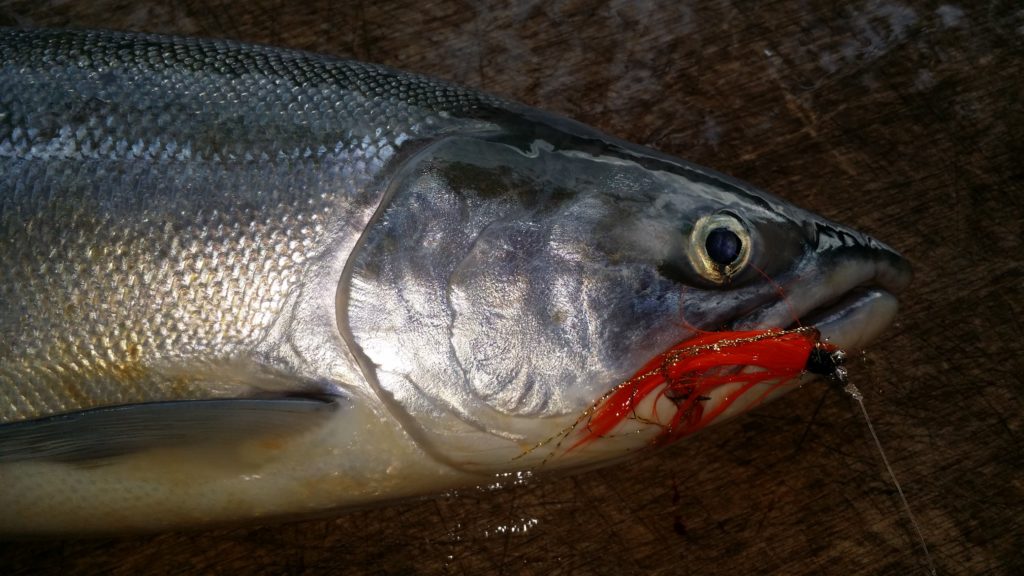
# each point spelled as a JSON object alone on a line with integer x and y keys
{"x": 851, "y": 389}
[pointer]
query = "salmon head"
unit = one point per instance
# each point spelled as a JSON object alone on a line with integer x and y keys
{"x": 516, "y": 277}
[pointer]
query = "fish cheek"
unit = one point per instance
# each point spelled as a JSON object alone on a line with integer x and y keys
{"x": 782, "y": 246}
{"x": 490, "y": 289}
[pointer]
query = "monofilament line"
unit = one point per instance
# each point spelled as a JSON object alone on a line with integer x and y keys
{"x": 854, "y": 393}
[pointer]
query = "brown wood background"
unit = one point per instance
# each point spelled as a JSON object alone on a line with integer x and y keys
{"x": 901, "y": 118}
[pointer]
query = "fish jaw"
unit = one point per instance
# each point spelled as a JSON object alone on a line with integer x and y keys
{"x": 846, "y": 288}
{"x": 846, "y": 308}
{"x": 841, "y": 296}
{"x": 844, "y": 293}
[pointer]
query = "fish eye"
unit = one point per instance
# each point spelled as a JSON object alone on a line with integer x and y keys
{"x": 723, "y": 246}
{"x": 719, "y": 247}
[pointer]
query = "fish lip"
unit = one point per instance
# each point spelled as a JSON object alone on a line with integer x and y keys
{"x": 858, "y": 318}
{"x": 850, "y": 303}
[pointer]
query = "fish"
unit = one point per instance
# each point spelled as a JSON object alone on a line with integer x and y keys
{"x": 243, "y": 283}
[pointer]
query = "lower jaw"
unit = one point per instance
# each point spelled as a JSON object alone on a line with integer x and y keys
{"x": 849, "y": 324}
{"x": 860, "y": 319}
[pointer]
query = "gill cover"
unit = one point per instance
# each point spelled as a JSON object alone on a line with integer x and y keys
{"x": 508, "y": 282}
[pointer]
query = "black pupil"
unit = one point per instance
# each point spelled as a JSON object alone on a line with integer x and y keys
{"x": 723, "y": 246}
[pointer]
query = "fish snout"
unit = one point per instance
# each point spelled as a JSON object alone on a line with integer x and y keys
{"x": 858, "y": 280}
{"x": 845, "y": 287}
{"x": 836, "y": 244}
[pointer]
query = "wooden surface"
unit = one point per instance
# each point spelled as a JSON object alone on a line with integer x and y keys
{"x": 903, "y": 119}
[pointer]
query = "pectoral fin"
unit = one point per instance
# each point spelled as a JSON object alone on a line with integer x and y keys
{"x": 118, "y": 430}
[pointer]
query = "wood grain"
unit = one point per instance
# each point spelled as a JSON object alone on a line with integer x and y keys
{"x": 900, "y": 118}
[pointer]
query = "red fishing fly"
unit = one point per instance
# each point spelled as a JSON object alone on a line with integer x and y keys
{"x": 690, "y": 370}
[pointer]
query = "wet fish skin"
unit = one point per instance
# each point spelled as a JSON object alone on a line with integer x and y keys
{"x": 175, "y": 215}
{"x": 120, "y": 262}
{"x": 185, "y": 223}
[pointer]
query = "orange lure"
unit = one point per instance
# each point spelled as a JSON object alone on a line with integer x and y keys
{"x": 694, "y": 367}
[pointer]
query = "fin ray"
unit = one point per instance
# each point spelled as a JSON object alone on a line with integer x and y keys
{"x": 107, "y": 432}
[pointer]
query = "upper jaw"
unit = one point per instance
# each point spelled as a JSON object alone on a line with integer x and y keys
{"x": 848, "y": 294}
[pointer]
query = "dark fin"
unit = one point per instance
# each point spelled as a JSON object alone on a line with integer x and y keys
{"x": 118, "y": 430}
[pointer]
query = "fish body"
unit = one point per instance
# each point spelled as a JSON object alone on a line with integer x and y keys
{"x": 242, "y": 282}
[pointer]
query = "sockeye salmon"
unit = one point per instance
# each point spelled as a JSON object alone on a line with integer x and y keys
{"x": 242, "y": 282}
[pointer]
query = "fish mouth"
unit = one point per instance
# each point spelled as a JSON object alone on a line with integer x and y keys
{"x": 855, "y": 319}
{"x": 850, "y": 306}
{"x": 850, "y": 303}
{"x": 843, "y": 296}
{"x": 846, "y": 304}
